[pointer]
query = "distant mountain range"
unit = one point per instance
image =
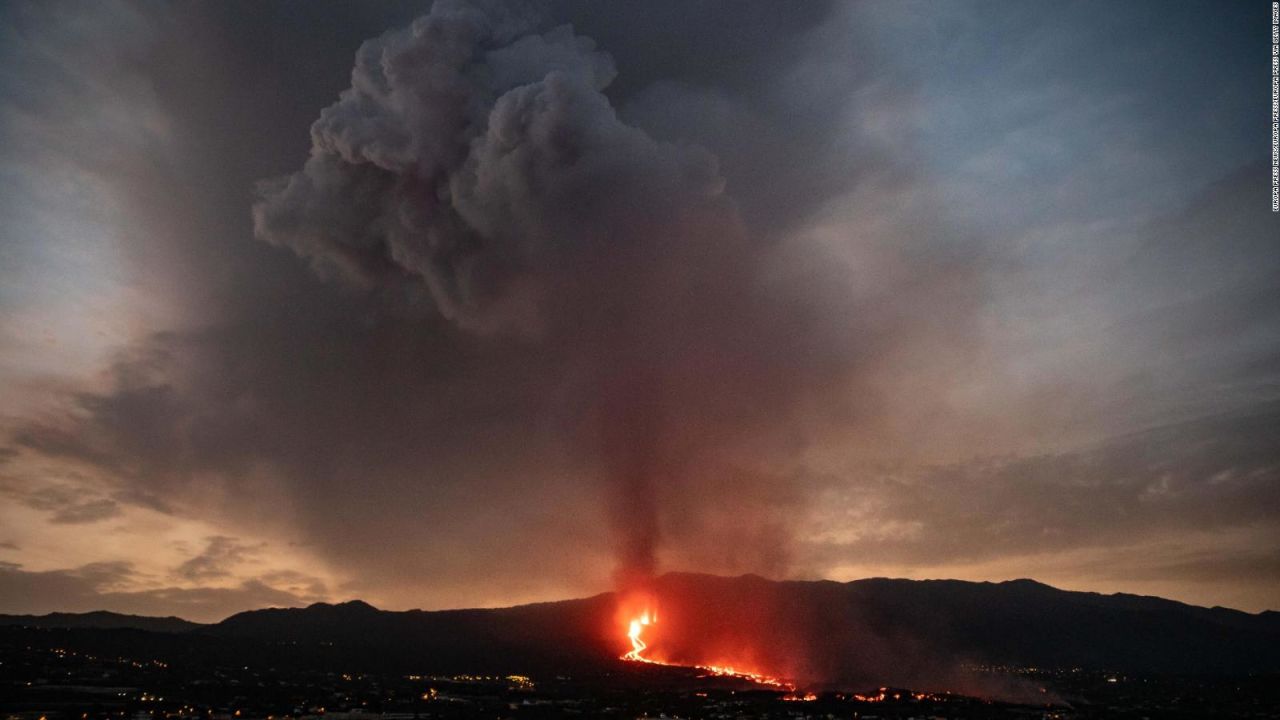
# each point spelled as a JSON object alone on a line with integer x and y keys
{"x": 102, "y": 620}
{"x": 910, "y": 632}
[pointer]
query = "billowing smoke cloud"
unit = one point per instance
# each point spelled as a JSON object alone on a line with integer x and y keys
{"x": 479, "y": 159}
{"x": 531, "y": 322}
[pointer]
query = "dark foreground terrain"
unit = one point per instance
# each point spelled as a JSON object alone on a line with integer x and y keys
{"x": 45, "y": 676}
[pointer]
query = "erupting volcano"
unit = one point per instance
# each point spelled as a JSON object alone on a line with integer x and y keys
{"x": 635, "y": 629}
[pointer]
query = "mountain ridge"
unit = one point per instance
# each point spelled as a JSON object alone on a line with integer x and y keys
{"x": 58, "y": 618}
{"x": 102, "y": 620}
{"x": 913, "y": 633}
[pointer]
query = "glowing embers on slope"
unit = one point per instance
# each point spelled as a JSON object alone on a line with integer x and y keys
{"x": 635, "y": 631}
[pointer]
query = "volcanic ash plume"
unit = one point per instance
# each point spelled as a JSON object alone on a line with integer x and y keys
{"x": 476, "y": 162}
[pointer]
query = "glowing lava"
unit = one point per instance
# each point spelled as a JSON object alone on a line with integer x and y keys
{"x": 757, "y": 678}
{"x": 635, "y": 628}
{"x": 633, "y": 634}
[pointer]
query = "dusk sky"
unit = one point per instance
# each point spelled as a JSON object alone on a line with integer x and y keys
{"x": 481, "y": 303}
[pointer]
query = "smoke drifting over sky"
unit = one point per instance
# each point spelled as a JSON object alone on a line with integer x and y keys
{"x": 482, "y": 161}
{"x": 557, "y": 290}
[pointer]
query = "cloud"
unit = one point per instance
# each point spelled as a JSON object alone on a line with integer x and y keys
{"x": 86, "y": 512}
{"x": 71, "y": 588}
{"x": 220, "y": 557}
{"x": 114, "y": 586}
{"x": 65, "y": 504}
{"x": 1180, "y": 510}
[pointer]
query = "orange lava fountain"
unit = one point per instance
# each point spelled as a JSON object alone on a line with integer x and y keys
{"x": 636, "y": 628}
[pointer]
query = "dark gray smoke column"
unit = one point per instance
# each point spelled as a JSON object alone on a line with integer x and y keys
{"x": 477, "y": 157}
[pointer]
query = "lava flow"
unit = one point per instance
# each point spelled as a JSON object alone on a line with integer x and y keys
{"x": 636, "y": 628}
{"x": 638, "y": 646}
